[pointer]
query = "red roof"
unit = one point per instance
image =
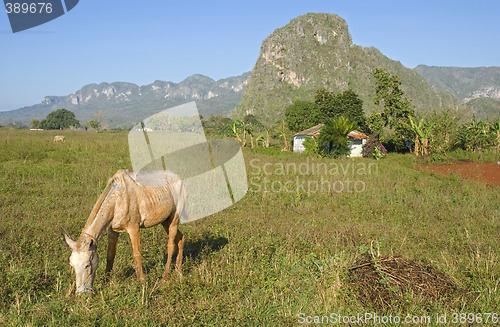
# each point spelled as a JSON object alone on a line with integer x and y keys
{"x": 313, "y": 131}
{"x": 357, "y": 135}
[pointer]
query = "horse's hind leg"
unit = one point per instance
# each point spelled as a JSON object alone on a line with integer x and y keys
{"x": 179, "y": 240}
{"x": 175, "y": 237}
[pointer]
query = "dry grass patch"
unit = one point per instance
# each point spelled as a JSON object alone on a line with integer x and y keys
{"x": 385, "y": 281}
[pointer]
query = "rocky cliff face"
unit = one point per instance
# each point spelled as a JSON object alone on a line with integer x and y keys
{"x": 492, "y": 92}
{"x": 123, "y": 104}
{"x": 315, "y": 51}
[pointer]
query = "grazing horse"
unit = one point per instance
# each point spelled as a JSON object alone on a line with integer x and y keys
{"x": 59, "y": 138}
{"x": 127, "y": 205}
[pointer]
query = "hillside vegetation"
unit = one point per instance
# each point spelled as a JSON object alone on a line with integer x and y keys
{"x": 485, "y": 108}
{"x": 279, "y": 252}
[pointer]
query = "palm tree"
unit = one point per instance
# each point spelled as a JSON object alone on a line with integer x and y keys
{"x": 333, "y": 137}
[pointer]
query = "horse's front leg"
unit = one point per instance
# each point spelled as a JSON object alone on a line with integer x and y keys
{"x": 133, "y": 232}
{"x": 112, "y": 242}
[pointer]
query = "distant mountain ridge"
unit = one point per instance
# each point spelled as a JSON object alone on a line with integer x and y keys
{"x": 316, "y": 51}
{"x": 123, "y": 104}
{"x": 465, "y": 83}
{"x": 478, "y": 87}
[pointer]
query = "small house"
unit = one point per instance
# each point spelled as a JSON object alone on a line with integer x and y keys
{"x": 300, "y": 137}
{"x": 355, "y": 139}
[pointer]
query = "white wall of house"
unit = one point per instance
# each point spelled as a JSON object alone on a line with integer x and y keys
{"x": 356, "y": 147}
{"x": 298, "y": 141}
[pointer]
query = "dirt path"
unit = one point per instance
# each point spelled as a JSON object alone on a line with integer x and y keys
{"x": 488, "y": 172}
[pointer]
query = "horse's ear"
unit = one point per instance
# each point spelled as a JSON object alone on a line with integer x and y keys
{"x": 71, "y": 243}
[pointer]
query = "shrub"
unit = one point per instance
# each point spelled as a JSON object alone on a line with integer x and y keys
{"x": 311, "y": 145}
{"x": 373, "y": 148}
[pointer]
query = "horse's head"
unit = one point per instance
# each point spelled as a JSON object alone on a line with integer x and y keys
{"x": 84, "y": 261}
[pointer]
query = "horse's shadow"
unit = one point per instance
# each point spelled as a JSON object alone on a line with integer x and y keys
{"x": 202, "y": 247}
{"x": 194, "y": 252}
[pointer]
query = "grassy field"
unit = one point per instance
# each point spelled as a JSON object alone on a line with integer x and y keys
{"x": 283, "y": 250}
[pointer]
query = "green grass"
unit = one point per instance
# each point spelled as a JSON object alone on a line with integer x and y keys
{"x": 259, "y": 263}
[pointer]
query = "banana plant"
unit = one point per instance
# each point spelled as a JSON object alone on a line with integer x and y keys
{"x": 496, "y": 128}
{"x": 240, "y": 132}
{"x": 283, "y": 135}
{"x": 268, "y": 136}
{"x": 250, "y": 134}
{"x": 260, "y": 140}
{"x": 422, "y": 132}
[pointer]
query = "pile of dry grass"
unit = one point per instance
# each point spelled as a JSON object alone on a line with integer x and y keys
{"x": 383, "y": 281}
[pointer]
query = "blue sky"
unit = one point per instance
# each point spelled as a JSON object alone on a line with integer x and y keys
{"x": 144, "y": 41}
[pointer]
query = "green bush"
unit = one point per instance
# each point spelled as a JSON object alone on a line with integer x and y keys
{"x": 311, "y": 145}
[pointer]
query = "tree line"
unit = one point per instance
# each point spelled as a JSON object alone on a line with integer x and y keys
{"x": 61, "y": 119}
{"x": 395, "y": 126}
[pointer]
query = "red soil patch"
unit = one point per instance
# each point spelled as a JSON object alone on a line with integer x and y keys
{"x": 487, "y": 172}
